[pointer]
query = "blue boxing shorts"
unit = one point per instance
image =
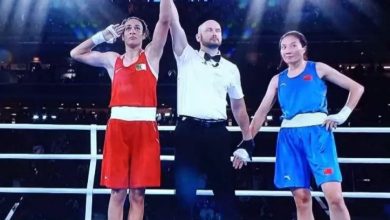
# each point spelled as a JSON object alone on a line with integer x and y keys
{"x": 302, "y": 151}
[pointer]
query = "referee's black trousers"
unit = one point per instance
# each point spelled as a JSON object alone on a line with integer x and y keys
{"x": 203, "y": 148}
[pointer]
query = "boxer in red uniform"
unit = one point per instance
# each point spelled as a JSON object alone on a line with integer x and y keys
{"x": 131, "y": 147}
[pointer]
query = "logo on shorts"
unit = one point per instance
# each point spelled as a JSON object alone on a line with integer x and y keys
{"x": 328, "y": 171}
{"x": 287, "y": 177}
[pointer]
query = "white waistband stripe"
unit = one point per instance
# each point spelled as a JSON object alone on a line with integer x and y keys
{"x": 133, "y": 113}
{"x": 303, "y": 120}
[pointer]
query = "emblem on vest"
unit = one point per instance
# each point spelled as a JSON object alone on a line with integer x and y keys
{"x": 307, "y": 77}
{"x": 140, "y": 67}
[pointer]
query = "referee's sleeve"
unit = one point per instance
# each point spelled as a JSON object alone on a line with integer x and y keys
{"x": 188, "y": 50}
{"x": 235, "y": 89}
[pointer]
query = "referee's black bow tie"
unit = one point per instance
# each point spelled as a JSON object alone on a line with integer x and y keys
{"x": 208, "y": 57}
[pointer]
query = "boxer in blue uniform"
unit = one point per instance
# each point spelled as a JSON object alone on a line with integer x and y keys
{"x": 306, "y": 144}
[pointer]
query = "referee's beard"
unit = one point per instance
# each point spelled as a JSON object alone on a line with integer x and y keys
{"x": 211, "y": 45}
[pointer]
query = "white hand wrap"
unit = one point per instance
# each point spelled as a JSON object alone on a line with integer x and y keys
{"x": 98, "y": 38}
{"x": 340, "y": 117}
{"x": 242, "y": 154}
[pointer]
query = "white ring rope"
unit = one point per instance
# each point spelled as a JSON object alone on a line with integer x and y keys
{"x": 93, "y": 157}
{"x": 171, "y": 158}
{"x": 171, "y": 128}
{"x": 269, "y": 193}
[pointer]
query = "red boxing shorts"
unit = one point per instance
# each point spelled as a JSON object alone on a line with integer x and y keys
{"x": 131, "y": 155}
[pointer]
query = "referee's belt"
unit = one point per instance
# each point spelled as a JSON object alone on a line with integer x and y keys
{"x": 202, "y": 122}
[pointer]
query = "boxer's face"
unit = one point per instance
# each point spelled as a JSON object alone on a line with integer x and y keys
{"x": 134, "y": 33}
{"x": 291, "y": 49}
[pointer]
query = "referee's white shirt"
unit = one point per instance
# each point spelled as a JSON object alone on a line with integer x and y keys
{"x": 202, "y": 86}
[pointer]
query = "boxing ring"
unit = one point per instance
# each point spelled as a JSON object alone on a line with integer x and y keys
{"x": 93, "y": 157}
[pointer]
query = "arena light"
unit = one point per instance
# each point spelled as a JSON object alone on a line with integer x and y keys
{"x": 337, "y": 15}
{"x": 294, "y": 14}
{"x": 36, "y": 60}
{"x": 5, "y": 11}
{"x": 21, "y": 14}
{"x": 370, "y": 9}
{"x": 39, "y": 19}
{"x": 253, "y": 18}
